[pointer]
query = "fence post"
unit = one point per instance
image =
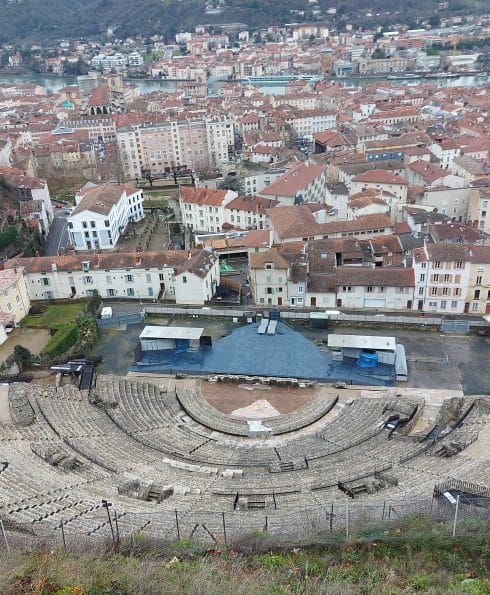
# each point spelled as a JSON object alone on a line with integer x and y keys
{"x": 347, "y": 520}
{"x": 62, "y": 524}
{"x": 5, "y": 537}
{"x": 224, "y": 528}
{"x": 177, "y": 524}
{"x": 456, "y": 510}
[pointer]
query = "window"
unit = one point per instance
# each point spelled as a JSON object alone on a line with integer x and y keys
{"x": 150, "y": 291}
{"x": 369, "y": 289}
{"x": 268, "y": 279}
{"x": 107, "y": 223}
{"x": 9, "y": 307}
{"x": 268, "y": 290}
{"x": 111, "y": 292}
{"x": 459, "y": 265}
{"x": 433, "y": 291}
{"x": 478, "y": 280}
{"x": 443, "y": 304}
{"x": 45, "y": 281}
{"x": 454, "y": 304}
{"x": 301, "y": 289}
{"x": 447, "y": 278}
{"x": 129, "y": 278}
{"x": 437, "y": 264}
{"x": 87, "y": 279}
{"x": 161, "y": 276}
{"x": 84, "y": 224}
{"x": 299, "y": 301}
{"x": 477, "y": 294}
{"x": 421, "y": 291}
{"x": 474, "y": 306}
{"x": 184, "y": 279}
{"x": 436, "y": 277}
{"x": 445, "y": 291}
{"x": 130, "y": 292}
{"x": 17, "y": 299}
{"x": 148, "y": 277}
{"x": 424, "y": 265}
{"x": 457, "y": 291}
{"x": 422, "y": 277}
{"x": 108, "y": 279}
{"x": 382, "y": 289}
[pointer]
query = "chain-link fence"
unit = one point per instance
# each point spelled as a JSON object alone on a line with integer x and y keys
{"x": 443, "y": 515}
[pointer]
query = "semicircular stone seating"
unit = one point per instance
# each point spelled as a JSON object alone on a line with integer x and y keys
{"x": 160, "y": 454}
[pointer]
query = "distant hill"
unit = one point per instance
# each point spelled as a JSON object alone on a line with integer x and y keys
{"x": 30, "y": 20}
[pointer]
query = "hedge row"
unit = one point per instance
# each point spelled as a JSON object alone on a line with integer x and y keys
{"x": 63, "y": 340}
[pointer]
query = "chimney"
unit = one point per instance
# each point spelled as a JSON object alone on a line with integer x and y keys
{"x": 53, "y": 267}
{"x": 189, "y": 255}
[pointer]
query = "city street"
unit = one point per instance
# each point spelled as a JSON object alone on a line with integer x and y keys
{"x": 58, "y": 238}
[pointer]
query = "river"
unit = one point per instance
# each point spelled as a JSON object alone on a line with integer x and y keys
{"x": 54, "y": 83}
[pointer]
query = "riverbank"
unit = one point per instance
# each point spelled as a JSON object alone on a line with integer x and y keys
{"x": 53, "y": 83}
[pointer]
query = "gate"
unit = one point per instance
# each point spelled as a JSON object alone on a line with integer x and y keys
{"x": 455, "y": 326}
{"x": 120, "y": 320}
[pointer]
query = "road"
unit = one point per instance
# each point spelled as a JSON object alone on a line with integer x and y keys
{"x": 58, "y": 238}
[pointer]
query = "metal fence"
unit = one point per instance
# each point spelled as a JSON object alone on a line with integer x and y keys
{"x": 455, "y": 326}
{"x": 120, "y": 320}
{"x": 337, "y": 522}
{"x": 305, "y": 315}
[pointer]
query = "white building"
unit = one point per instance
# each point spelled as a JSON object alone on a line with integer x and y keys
{"x": 102, "y": 214}
{"x": 180, "y": 276}
{"x": 202, "y": 209}
{"x": 105, "y": 62}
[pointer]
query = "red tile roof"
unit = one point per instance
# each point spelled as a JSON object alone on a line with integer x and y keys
{"x": 380, "y": 176}
{"x": 203, "y": 196}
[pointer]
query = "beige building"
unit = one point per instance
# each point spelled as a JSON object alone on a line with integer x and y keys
{"x": 478, "y": 208}
{"x": 478, "y": 293}
{"x": 14, "y": 298}
{"x": 158, "y": 146}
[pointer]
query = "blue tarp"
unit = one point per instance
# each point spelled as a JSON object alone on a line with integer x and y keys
{"x": 181, "y": 345}
{"x": 287, "y": 354}
{"x": 367, "y": 360}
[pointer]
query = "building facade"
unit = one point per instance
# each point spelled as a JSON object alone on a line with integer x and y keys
{"x": 102, "y": 214}
{"x": 179, "y": 276}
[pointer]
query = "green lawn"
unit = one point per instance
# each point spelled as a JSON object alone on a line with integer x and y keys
{"x": 55, "y": 316}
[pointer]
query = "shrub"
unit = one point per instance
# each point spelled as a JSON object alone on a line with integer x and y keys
{"x": 63, "y": 340}
{"x": 94, "y": 303}
{"x": 23, "y": 357}
{"x": 7, "y": 236}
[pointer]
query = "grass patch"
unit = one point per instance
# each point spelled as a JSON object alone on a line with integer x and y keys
{"x": 55, "y": 316}
{"x": 156, "y": 204}
{"x": 440, "y": 566}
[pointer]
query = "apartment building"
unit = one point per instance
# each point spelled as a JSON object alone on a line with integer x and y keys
{"x": 102, "y": 214}
{"x": 14, "y": 297}
{"x": 441, "y": 277}
{"x": 29, "y": 188}
{"x": 203, "y": 209}
{"x": 479, "y": 206}
{"x": 383, "y": 180}
{"x": 179, "y": 276}
{"x": 156, "y": 147}
{"x": 303, "y": 182}
{"x": 308, "y": 275}
{"x": 478, "y": 291}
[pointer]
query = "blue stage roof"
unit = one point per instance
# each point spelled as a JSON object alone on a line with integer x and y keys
{"x": 287, "y": 353}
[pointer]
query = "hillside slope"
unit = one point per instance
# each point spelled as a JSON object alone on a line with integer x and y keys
{"x": 26, "y": 20}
